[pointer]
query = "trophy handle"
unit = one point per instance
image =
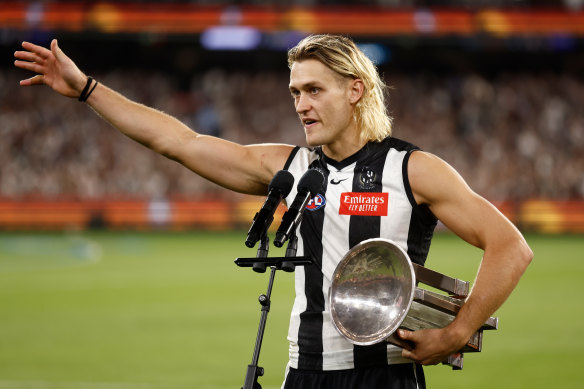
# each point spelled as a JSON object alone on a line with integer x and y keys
{"x": 452, "y": 286}
{"x": 434, "y": 310}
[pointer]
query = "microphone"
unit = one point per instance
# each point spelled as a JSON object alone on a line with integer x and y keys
{"x": 279, "y": 187}
{"x": 308, "y": 186}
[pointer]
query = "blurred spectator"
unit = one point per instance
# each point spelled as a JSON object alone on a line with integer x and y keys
{"x": 512, "y": 137}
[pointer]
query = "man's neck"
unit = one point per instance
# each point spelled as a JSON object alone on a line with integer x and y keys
{"x": 340, "y": 152}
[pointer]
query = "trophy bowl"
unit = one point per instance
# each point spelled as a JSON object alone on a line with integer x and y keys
{"x": 371, "y": 291}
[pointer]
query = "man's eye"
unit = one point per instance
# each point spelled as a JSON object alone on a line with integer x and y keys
{"x": 314, "y": 90}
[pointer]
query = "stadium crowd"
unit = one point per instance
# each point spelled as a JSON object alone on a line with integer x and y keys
{"x": 512, "y": 136}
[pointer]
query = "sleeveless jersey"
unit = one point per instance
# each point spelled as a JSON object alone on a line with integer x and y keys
{"x": 365, "y": 196}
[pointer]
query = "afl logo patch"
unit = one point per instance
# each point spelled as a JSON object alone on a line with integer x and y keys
{"x": 317, "y": 202}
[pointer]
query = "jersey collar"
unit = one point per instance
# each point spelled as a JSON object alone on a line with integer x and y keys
{"x": 364, "y": 153}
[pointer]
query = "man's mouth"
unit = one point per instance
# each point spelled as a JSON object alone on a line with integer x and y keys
{"x": 308, "y": 122}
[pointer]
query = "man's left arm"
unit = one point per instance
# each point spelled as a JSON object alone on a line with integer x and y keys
{"x": 474, "y": 219}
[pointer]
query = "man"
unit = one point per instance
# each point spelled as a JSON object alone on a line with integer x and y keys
{"x": 338, "y": 96}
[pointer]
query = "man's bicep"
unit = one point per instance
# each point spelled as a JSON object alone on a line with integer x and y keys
{"x": 472, "y": 217}
{"x": 451, "y": 200}
{"x": 245, "y": 169}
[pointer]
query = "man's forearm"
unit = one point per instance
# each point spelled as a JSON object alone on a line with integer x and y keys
{"x": 498, "y": 275}
{"x": 148, "y": 126}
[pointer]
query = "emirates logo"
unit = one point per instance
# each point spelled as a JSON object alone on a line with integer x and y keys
{"x": 364, "y": 204}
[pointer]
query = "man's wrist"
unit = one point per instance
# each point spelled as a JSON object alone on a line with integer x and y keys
{"x": 90, "y": 85}
{"x": 458, "y": 333}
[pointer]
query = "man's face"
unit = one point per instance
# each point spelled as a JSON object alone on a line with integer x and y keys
{"x": 322, "y": 99}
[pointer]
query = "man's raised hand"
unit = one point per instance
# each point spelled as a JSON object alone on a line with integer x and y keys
{"x": 53, "y": 68}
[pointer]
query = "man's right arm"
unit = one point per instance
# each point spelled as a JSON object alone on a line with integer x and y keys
{"x": 246, "y": 169}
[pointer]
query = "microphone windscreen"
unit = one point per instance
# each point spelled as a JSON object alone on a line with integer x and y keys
{"x": 311, "y": 181}
{"x": 282, "y": 181}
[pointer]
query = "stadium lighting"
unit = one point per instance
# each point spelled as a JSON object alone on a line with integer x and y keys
{"x": 231, "y": 38}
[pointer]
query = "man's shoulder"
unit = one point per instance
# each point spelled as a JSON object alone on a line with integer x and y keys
{"x": 399, "y": 144}
{"x": 303, "y": 155}
{"x": 380, "y": 149}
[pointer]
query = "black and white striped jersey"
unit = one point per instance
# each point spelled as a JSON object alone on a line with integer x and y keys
{"x": 365, "y": 196}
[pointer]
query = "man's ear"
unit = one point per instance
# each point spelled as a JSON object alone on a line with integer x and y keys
{"x": 356, "y": 89}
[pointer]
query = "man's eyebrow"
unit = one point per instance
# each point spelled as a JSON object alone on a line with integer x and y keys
{"x": 308, "y": 85}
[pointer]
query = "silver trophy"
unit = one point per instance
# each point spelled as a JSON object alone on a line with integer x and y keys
{"x": 374, "y": 292}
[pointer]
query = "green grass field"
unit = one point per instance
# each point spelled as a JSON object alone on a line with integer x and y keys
{"x": 172, "y": 310}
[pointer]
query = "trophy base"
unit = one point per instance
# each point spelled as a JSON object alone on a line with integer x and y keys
{"x": 433, "y": 310}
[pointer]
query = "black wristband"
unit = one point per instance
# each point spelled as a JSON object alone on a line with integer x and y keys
{"x": 91, "y": 90}
{"x": 86, "y": 92}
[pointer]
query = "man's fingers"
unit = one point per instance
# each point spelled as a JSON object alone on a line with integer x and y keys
{"x": 28, "y": 56}
{"x": 407, "y": 354}
{"x": 405, "y": 334}
{"x": 56, "y": 50}
{"x": 407, "y": 337}
{"x": 39, "y": 50}
{"x": 32, "y": 60}
{"x": 412, "y": 356}
{"x": 32, "y": 66}
{"x": 36, "y": 80}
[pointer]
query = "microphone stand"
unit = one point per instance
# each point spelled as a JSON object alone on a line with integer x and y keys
{"x": 287, "y": 263}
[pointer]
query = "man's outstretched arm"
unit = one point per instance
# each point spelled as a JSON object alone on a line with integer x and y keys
{"x": 246, "y": 169}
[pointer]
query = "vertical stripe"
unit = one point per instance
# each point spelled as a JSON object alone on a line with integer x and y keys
{"x": 297, "y": 165}
{"x": 419, "y": 375}
{"x": 337, "y": 351}
{"x": 291, "y": 157}
{"x": 367, "y": 178}
{"x": 395, "y": 226}
{"x": 310, "y": 330}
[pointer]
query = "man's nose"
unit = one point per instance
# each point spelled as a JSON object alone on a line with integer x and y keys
{"x": 302, "y": 104}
